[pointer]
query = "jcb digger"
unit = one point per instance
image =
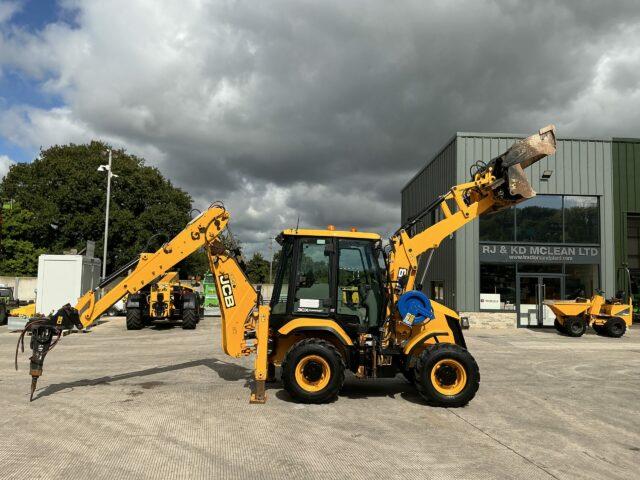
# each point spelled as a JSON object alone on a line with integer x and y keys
{"x": 342, "y": 300}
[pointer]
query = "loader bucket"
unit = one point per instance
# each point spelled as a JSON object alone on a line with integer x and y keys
{"x": 511, "y": 182}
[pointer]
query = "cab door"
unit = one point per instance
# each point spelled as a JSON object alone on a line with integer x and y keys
{"x": 359, "y": 284}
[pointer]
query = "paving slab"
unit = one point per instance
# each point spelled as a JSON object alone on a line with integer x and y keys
{"x": 167, "y": 403}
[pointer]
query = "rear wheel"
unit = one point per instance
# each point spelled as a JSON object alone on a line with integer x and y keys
{"x": 134, "y": 319}
{"x": 447, "y": 375}
{"x": 575, "y": 326}
{"x": 313, "y": 371}
{"x": 615, "y": 327}
{"x": 189, "y": 319}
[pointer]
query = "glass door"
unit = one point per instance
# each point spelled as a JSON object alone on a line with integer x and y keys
{"x": 532, "y": 291}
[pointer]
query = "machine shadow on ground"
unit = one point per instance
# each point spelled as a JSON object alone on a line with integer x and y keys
{"x": 225, "y": 370}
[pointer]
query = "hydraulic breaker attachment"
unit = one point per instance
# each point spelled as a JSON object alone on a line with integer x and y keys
{"x": 45, "y": 333}
{"x": 511, "y": 183}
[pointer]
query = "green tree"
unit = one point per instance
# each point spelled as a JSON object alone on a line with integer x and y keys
{"x": 257, "y": 269}
{"x": 61, "y": 204}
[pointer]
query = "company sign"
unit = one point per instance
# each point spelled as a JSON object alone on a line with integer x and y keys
{"x": 539, "y": 254}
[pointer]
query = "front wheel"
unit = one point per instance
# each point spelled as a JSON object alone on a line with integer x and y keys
{"x": 575, "y": 326}
{"x": 189, "y": 319}
{"x": 313, "y": 371}
{"x": 447, "y": 375}
{"x": 134, "y": 319}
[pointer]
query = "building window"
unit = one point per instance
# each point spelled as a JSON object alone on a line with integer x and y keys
{"x": 437, "y": 291}
{"x": 580, "y": 281}
{"x": 498, "y": 227}
{"x": 581, "y": 220}
{"x": 539, "y": 220}
{"x": 499, "y": 278}
{"x": 545, "y": 219}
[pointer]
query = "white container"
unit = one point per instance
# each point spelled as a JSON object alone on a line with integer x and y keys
{"x": 63, "y": 279}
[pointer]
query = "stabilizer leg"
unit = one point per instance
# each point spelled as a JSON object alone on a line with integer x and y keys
{"x": 260, "y": 369}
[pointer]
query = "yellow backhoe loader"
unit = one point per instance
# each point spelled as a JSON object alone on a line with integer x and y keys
{"x": 341, "y": 300}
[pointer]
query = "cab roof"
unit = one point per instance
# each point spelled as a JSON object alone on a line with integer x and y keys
{"x": 304, "y": 232}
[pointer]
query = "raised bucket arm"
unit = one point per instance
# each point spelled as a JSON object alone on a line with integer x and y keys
{"x": 497, "y": 185}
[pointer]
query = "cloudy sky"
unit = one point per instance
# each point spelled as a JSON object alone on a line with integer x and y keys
{"x": 321, "y": 110}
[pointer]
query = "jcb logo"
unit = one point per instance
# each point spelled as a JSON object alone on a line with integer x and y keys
{"x": 227, "y": 291}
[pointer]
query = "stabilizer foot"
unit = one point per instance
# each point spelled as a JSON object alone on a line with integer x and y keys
{"x": 258, "y": 395}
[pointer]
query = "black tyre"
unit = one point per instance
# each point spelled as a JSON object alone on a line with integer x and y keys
{"x": 134, "y": 319}
{"x": 575, "y": 326}
{"x": 559, "y": 327}
{"x": 447, "y": 375}
{"x": 599, "y": 329}
{"x": 615, "y": 327}
{"x": 189, "y": 319}
{"x": 410, "y": 375}
{"x": 313, "y": 371}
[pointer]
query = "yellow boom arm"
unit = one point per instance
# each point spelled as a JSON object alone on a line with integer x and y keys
{"x": 200, "y": 231}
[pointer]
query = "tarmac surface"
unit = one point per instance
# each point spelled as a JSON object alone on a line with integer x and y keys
{"x": 167, "y": 403}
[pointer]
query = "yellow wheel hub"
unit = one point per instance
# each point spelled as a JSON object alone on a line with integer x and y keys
{"x": 448, "y": 377}
{"x": 313, "y": 373}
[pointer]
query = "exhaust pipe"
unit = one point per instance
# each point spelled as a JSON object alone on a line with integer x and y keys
{"x": 511, "y": 183}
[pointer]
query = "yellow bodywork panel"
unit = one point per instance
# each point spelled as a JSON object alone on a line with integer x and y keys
{"x": 305, "y": 232}
{"x": 622, "y": 310}
{"x": 315, "y": 323}
{"x": 430, "y": 332}
{"x": 237, "y": 299}
{"x": 567, "y": 308}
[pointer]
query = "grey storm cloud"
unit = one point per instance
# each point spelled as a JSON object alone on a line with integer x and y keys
{"x": 320, "y": 110}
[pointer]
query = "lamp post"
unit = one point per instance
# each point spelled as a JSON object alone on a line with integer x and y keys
{"x": 106, "y": 168}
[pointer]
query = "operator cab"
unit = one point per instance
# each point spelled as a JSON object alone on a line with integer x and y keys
{"x": 330, "y": 274}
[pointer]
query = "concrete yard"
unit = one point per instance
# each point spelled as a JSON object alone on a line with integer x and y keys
{"x": 167, "y": 403}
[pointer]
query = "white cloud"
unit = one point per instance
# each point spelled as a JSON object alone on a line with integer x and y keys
{"x": 5, "y": 163}
{"x": 8, "y": 10}
{"x": 319, "y": 109}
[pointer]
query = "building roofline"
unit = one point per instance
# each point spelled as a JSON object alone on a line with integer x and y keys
{"x": 625, "y": 139}
{"x": 510, "y": 135}
{"x": 430, "y": 161}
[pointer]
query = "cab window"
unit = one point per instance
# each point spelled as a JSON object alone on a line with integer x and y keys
{"x": 312, "y": 292}
{"x": 280, "y": 293}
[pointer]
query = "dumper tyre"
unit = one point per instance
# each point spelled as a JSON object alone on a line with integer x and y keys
{"x": 615, "y": 327}
{"x": 313, "y": 371}
{"x": 134, "y": 319}
{"x": 189, "y": 319}
{"x": 447, "y": 375}
{"x": 575, "y": 326}
{"x": 559, "y": 327}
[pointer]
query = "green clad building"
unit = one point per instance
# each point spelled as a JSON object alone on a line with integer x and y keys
{"x": 566, "y": 242}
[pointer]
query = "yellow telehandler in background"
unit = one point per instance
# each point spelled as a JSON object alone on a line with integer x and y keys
{"x": 342, "y": 300}
{"x": 164, "y": 299}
